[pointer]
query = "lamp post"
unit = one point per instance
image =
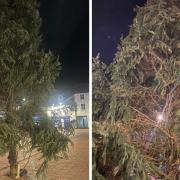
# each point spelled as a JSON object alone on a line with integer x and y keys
{"x": 160, "y": 117}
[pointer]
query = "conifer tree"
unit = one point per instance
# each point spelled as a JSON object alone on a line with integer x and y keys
{"x": 101, "y": 88}
{"x": 141, "y": 139}
{"x": 27, "y": 74}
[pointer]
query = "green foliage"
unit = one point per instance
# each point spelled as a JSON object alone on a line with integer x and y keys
{"x": 147, "y": 60}
{"x": 146, "y": 66}
{"x": 144, "y": 82}
{"x": 101, "y": 89}
{"x": 50, "y": 142}
{"x": 9, "y": 135}
{"x": 26, "y": 71}
{"x": 124, "y": 158}
{"x": 115, "y": 156}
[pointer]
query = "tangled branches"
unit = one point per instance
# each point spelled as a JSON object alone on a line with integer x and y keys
{"x": 142, "y": 133}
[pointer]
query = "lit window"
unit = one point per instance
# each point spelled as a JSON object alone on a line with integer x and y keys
{"x": 81, "y": 96}
{"x": 83, "y": 106}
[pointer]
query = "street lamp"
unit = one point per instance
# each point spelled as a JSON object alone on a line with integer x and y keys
{"x": 160, "y": 117}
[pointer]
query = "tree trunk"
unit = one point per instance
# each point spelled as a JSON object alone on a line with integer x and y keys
{"x": 12, "y": 157}
{"x": 14, "y": 168}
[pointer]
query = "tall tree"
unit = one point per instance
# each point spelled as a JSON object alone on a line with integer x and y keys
{"x": 143, "y": 136}
{"x": 27, "y": 74}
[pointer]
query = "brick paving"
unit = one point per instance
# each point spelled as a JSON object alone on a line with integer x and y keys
{"x": 74, "y": 168}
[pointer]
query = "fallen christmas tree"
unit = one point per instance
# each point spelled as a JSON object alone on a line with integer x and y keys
{"x": 137, "y": 136}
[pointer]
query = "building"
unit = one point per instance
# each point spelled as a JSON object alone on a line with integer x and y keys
{"x": 60, "y": 114}
{"x": 81, "y": 101}
{"x": 74, "y": 108}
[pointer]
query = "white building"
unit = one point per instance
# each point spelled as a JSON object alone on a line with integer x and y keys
{"x": 79, "y": 114}
{"x": 82, "y": 109}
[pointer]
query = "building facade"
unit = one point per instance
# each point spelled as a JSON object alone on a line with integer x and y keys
{"x": 81, "y": 101}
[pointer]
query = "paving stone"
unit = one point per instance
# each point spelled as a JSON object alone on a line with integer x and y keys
{"x": 74, "y": 168}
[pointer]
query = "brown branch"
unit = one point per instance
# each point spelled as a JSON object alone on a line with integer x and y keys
{"x": 156, "y": 126}
{"x": 142, "y": 114}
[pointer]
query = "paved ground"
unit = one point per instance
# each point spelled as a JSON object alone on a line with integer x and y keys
{"x": 75, "y": 168}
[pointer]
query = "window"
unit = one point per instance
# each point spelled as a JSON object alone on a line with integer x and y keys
{"x": 81, "y": 96}
{"x": 83, "y": 106}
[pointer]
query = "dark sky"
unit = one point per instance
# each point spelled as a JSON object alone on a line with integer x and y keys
{"x": 111, "y": 19}
{"x": 65, "y": 29}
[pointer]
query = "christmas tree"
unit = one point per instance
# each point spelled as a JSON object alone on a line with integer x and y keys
{"x": 140, "y": 137}
{"x": 27, "y": 74}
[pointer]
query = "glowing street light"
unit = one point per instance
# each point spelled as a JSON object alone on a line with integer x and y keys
{"x": 24, "y": 99}
{"x": 160, "y": 117}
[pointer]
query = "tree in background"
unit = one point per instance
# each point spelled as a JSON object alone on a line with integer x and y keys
{"x": 100, "y": 104}
{"x": 27, "y": 74}
{"x": 101, "y": 88}
{"x": 142, "y": 137}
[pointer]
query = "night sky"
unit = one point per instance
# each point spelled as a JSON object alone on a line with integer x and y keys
{"x": 111, "y": 19}
{"x": 65, "y": 30}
